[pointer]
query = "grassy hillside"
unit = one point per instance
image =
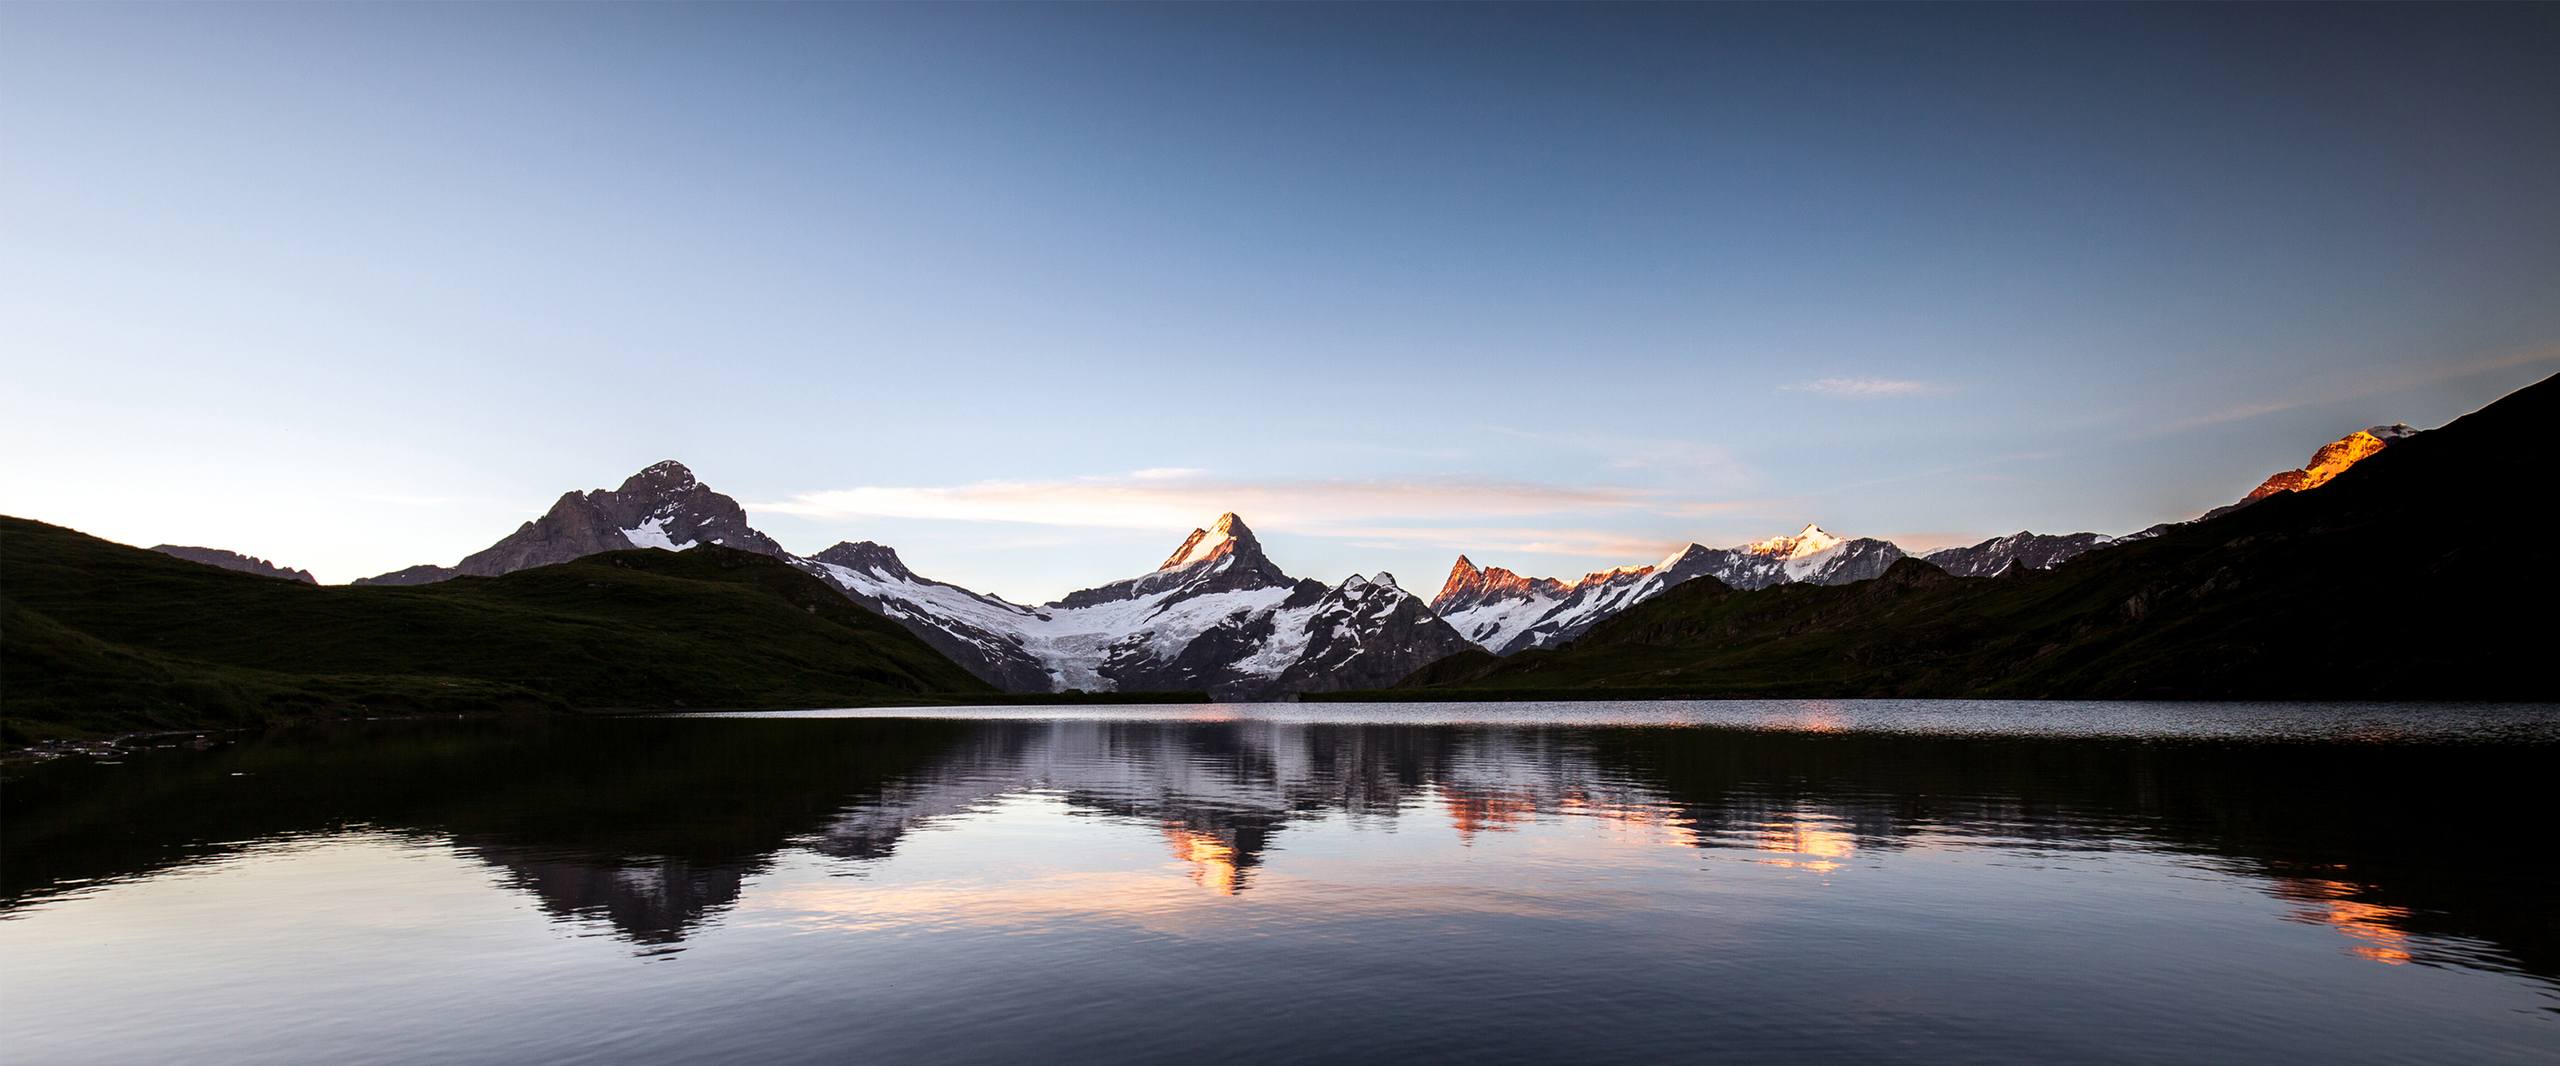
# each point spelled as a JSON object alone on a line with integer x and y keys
{"x": 2418, "y": 574}
{"x": 96, "y": 636}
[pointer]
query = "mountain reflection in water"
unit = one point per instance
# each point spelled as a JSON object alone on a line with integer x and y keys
{"x": 655, "y": 831}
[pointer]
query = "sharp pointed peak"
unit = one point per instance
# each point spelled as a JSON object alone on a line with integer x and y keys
{"x": 1227, "y": 536}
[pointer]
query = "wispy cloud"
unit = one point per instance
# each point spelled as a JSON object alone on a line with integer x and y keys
{"x": 1493, "y": 541}
{"x": 1491, "y": 519}
{"x": 1166, "y": 498}
{"x": 1867, "y": 388}
{"x": 2352, "y": 387}
{"x": 407, "y": 500}
{"x": 1696, "y": 461}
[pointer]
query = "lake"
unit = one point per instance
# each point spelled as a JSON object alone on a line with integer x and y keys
{"x": 1890, "y": 881}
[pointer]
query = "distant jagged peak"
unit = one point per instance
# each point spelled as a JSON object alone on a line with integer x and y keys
{"x": 1227, "y": 536}
{"x": 1679, "y": 553}
{"x": 1472, "y": 584}
{"x": 1807, "y": 541}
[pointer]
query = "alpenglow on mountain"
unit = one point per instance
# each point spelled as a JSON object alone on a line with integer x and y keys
{"x": 1219, "y": 616}
{"x": 2024, "y": 550}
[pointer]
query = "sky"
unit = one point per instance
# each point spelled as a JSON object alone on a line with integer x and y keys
{"x": 1029, "y": 292}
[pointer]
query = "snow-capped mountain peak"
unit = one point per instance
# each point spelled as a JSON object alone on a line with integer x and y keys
{"x": 662, "y": 506}
{"x": 1810, "y": 540}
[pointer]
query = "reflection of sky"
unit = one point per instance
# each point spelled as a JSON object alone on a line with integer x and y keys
{"x": 1043, "y": 928}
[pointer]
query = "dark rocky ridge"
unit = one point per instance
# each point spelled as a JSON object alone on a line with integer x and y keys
{"x": 2032, "y": 551}
{"x": 231, "y": 560}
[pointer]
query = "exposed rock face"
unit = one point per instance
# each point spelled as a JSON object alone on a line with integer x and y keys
{"x": 1470, "y": 587}
{"x": 1511, "y": 614}
{"x": 1366, "y": 629}
{"x": 231, "y": 560}
{"x": 660, "y": 507}
{"x": 2020, "y": 550}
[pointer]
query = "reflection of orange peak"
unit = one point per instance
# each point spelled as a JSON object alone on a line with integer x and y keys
{"x": 1822, "y": 849}
{"x": 1486, "y": 812}
{"x": 1213, "y": 861}
{"x": 2375, "y": 926}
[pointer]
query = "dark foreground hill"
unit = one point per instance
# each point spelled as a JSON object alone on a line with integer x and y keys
{"x": 97, "y": 636}
{"x": 2411, "y": 576}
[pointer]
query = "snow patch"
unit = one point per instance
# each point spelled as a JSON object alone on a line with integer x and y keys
{"x": 653, "y": 534}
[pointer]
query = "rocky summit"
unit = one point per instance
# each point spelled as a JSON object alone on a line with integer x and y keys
{"x": 662, "y": 506}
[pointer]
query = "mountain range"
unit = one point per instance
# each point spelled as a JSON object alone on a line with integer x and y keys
{"x": 1218, "y": 616}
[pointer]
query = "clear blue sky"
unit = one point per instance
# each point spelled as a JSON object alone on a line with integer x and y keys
{"x": 1029, "y": 292}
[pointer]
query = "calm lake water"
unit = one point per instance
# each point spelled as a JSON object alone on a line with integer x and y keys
{"x": 1921, "y": 882}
